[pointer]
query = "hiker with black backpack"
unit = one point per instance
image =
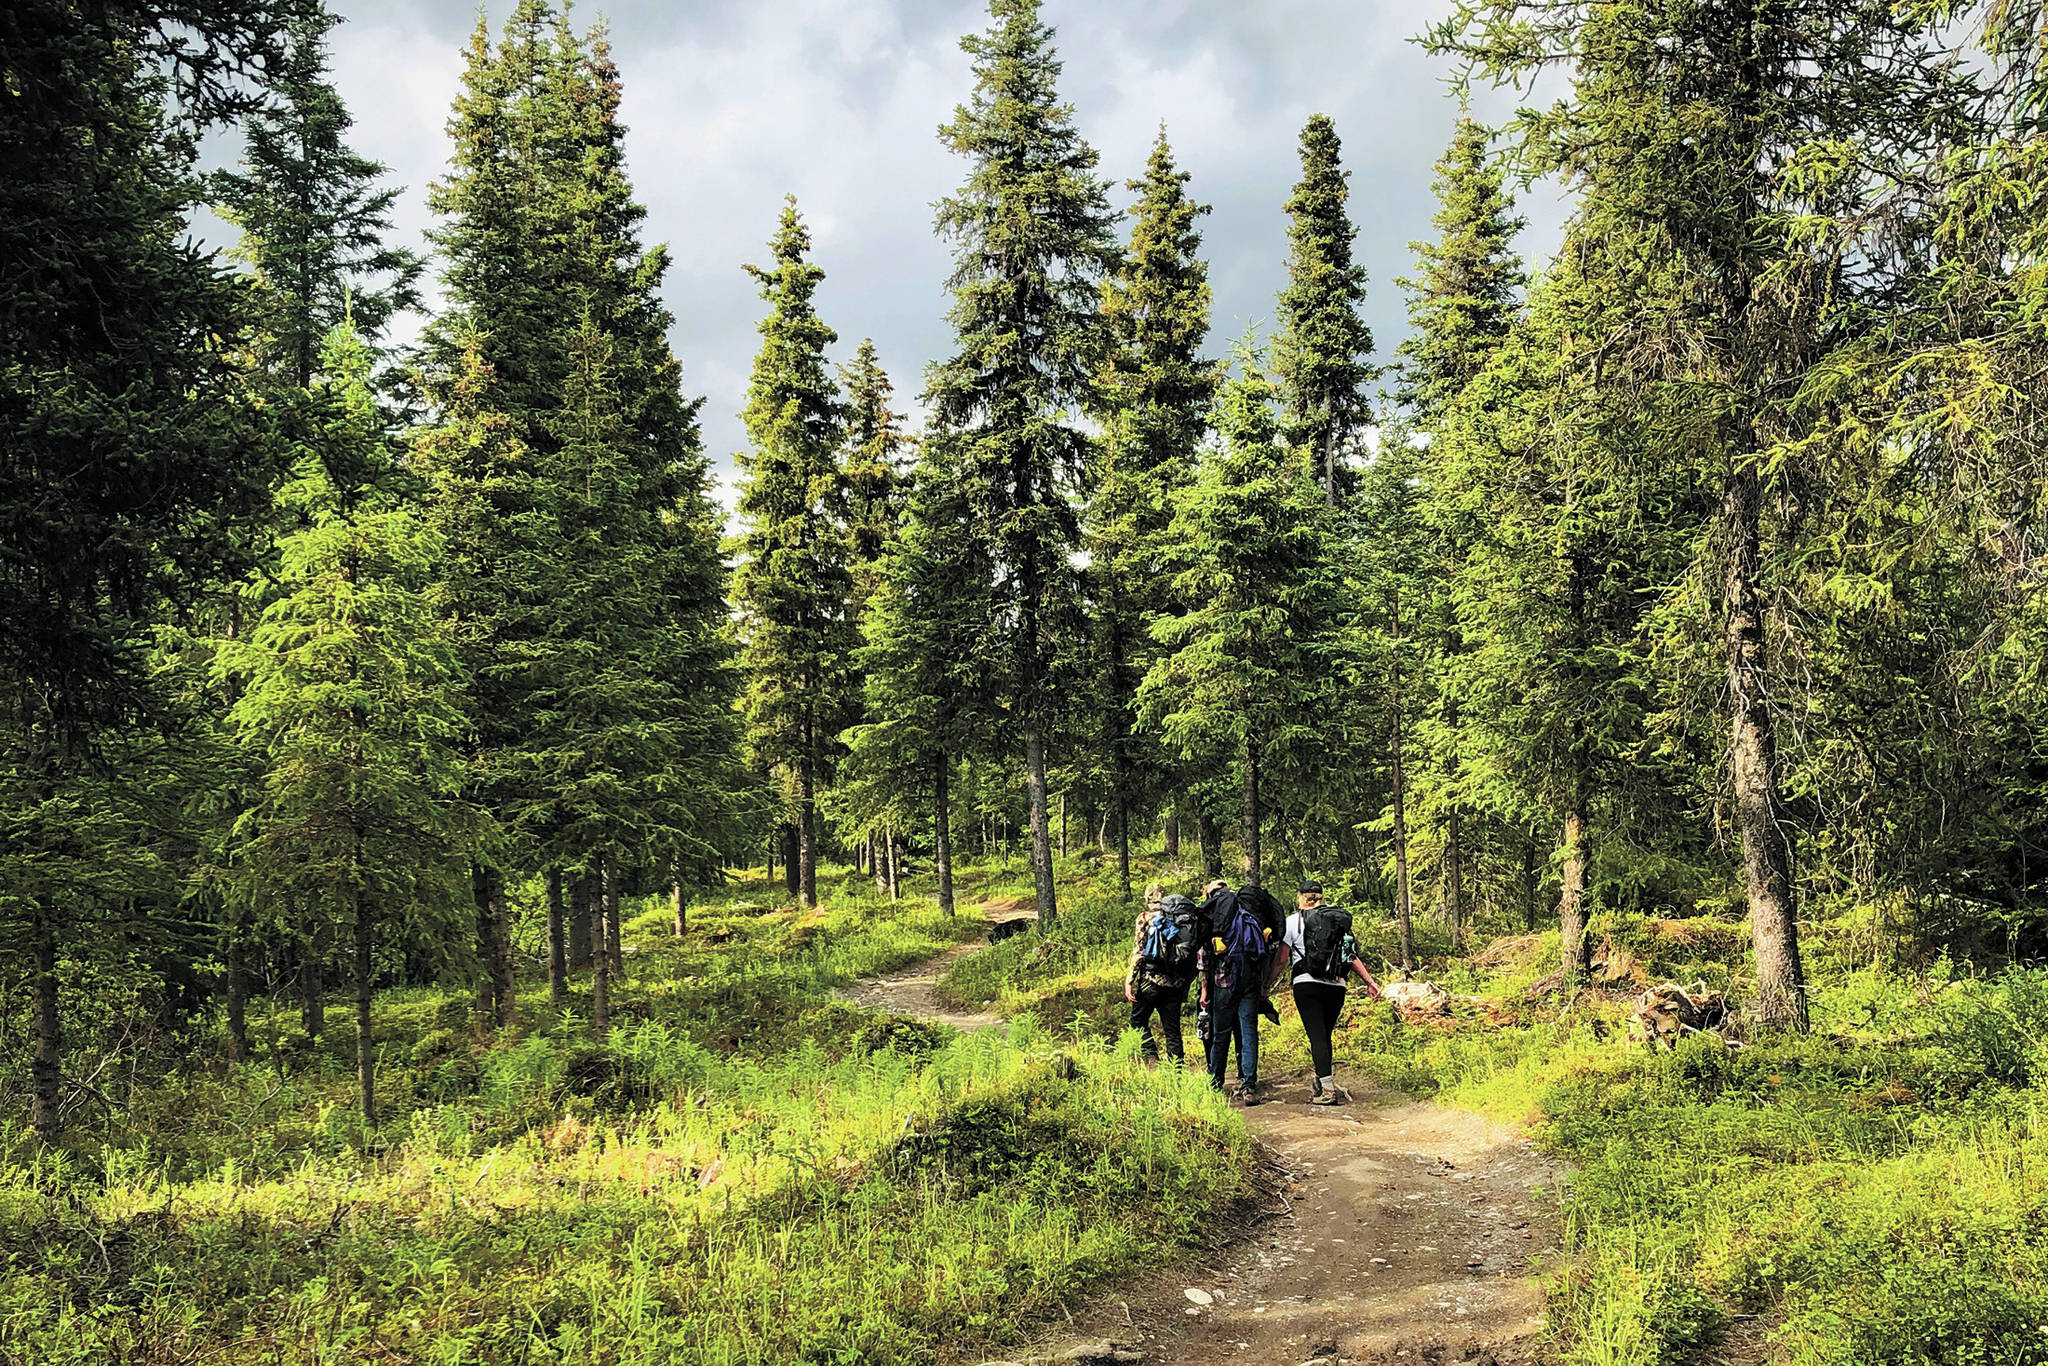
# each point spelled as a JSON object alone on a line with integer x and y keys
{"x": 1165, "y": 943}
{"x": 1237, "y": 946}
{"x": 1318, "y": 947}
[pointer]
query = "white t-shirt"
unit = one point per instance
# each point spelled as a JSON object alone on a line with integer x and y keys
{"x": 1297, "y": 945}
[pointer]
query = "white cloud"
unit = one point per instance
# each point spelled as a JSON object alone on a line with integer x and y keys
{"x": 838, "y": 101}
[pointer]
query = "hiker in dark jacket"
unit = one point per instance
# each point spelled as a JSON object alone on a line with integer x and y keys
{"x": 1163, "y": 957}
{"x": 1317, "y": 946}
{"x": 1237, "y": 949}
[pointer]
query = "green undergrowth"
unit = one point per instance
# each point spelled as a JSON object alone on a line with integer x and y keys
{"x": 750, "y": 1170}
{"x": 1874, "y": 1192}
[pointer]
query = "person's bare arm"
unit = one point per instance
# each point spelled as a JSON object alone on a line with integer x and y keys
{"x": 1372, "y": 986}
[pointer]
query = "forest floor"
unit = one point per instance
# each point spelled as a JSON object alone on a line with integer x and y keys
{"x": 1386, "y": 1231}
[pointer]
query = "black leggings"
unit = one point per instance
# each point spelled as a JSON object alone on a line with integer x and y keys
{"x": 1168, "y": 1001}
{"x": 1319, "y": 1005}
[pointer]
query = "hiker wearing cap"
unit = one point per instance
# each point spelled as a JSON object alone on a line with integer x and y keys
{"x": 1317, "y": 946}
{"x": 1236, "y": 951}
{"x": 1165, "y": 943}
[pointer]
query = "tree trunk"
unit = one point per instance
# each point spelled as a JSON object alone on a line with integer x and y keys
{"x": 942, "y": 835}
{"x": 1253, "y": 817}
{"x": 45, "y": 1067}
{"x": 1169, "y": 828}
{"x": 558, "y": 942}
{"x": 1753, "y": 761}
{"x": 1123, "y": 840}
{"x": 1404, "y": 910}
{"x": 312, "y": 999}
{"x": 1404, "y": 907}
{"x": 1211, "y": 836}
{"x": 614, "y": 933}
{"x": 1063, "y": 825}
{"x": 792, "y": 874}
{"x": 600, "y": 960}
{"x": 1529, "y": 885}
{"x": 889, "y": 853}
{"x": 238, "y": 994}
{"x": 1454, "y": 878}
{"x": 1329, "y": 457}
{"x": 773, "y": 841}
{"x": 1041, "y": 833}
{"x": 807, "y": 838}
{"x": 579, "y": 921}
{"x": 503, "y": 988}
{"x": 678, "y": 903}
{"x": 366, "y": 1081}
{"x": 1571, "y": 901}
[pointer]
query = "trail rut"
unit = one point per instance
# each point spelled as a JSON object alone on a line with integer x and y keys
{"x": 1405, "y": 1234}
{"x": 1402, "y": 1233}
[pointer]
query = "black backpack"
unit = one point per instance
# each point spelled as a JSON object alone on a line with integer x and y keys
{"x": 1326, "y": 950}
{"x": 1173, "y": 939}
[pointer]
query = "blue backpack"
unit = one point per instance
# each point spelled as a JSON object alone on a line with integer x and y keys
{"x": 1173, "y": 939}
{"x": 1243, "y": 933}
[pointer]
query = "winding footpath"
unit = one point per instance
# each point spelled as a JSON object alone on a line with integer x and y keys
{"x": 1396, "y": 1233}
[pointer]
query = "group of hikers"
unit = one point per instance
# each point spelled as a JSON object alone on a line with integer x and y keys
{"x": 1239, "y": 944}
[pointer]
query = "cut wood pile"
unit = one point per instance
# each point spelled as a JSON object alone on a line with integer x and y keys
{"x": 1665, "y": 1014}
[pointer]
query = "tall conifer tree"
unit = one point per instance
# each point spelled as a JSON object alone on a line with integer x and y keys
{"x": 1031, "y": 237}
{"x": 1739, "y": 274}
{"x": 1321, "y": 352}
{"x": 314, "y": 220}
{"x": 133, "y": 467}
{"x": 1461, "y": 307}
{"x": 1155, "y": 393}
{"x": 792, "y": 590}
{"x": 1250, "y": 673}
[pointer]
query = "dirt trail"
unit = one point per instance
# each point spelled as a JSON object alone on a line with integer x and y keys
{"x": 914, "y": 990}
{"x": 1403, "y": 1234}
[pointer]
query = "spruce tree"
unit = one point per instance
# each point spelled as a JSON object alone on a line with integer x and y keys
{"x": 792, "y": 588}
{"x": 1461, "y": 305}
{"x": 928, "y": 658}
{"x": 1321, "y": 351}
{"x": 1031, "y": 236}
{"x": 1154, "y": 394}
{"x": 601, "y": 686}
{"x": 313, "y": 219}
{"x": 350, "y": 702}
{"x": 877, "y": 481}
{"x": 134, "y": 468}
{"x": 1251, "y": 670}
{"x": 1682, "y": 132}
{"x": 1464, "y": 298}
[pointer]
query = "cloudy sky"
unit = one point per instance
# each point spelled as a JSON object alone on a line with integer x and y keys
{"x": 731, "y": 104}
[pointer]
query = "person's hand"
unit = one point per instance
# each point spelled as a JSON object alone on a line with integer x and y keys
{"x": 1131, "y": 995}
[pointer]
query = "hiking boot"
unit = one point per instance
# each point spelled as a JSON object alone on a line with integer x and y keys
{"x": 1325, "y": 1095}
{"x": 1249, "y": 1094}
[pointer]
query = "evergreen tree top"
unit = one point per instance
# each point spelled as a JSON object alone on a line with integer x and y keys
{"x": 1032, "y": 230}
{"x": 1321, "y": 351}
{"x": 793, "y": 412}
{"x": 1463, "y": 302}
{"x": 312, "y": 217}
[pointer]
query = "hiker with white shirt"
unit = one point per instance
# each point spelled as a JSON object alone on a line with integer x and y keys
{"x": 1317, "y": 952}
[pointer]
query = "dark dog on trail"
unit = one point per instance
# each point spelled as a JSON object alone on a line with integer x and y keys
{"x": 1005, "y": 929}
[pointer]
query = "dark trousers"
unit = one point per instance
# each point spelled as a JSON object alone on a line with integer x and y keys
{"x": 1168, "y": 1002}
{"x": 1320, "y": 1006}
{"x": 1237, "y": 1017}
